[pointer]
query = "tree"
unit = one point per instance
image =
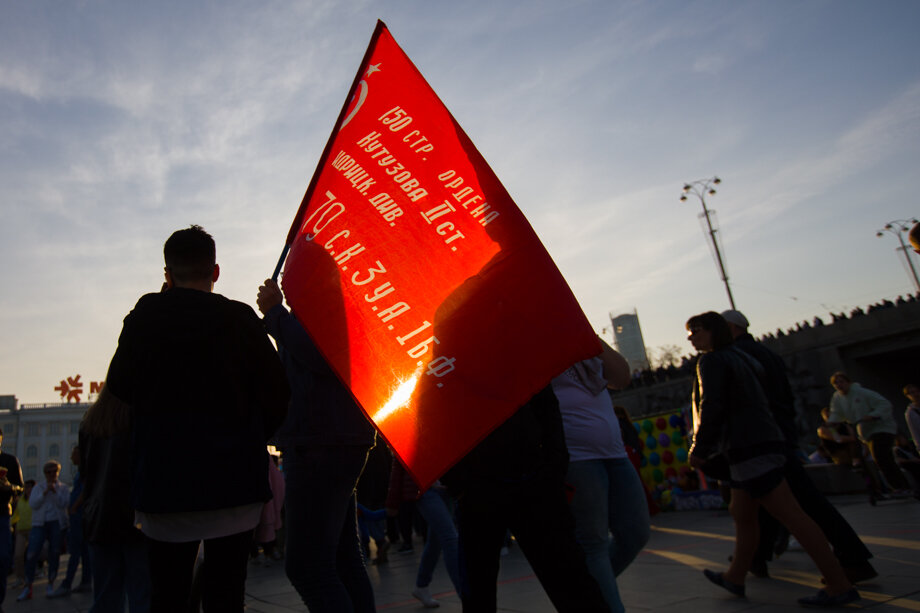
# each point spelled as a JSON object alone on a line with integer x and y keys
{"x": 664, "y": 356}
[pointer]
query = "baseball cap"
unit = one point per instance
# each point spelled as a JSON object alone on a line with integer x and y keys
{"x": 735, "y": 317}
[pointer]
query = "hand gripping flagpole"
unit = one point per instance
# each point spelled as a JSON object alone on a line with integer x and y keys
{"x": 298, "y": 219}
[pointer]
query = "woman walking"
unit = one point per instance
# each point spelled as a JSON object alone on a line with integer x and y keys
{"x": 736, "y": 440}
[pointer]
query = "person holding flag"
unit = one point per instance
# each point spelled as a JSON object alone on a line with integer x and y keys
{"x": 324, "y": 442}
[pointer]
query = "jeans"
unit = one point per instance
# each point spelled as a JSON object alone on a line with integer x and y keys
{"x": 323, "y": 558}
{"x": 371, "y": 526}
{"x": 6, "y": 553}
{"x": 79, "y": 552}
{"x": 609, "y": 498}
{"x": 50, "y": 531}
{"x": 442, "y": 537}
{"x": 119, "y": 571}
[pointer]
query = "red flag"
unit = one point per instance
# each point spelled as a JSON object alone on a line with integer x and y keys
{"x": 418, "y": 277}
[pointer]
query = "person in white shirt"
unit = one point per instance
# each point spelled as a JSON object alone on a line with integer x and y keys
{"x": 609, "y": 505}
{"x": 872, "y": 415}
{"x": 49, "y": 502}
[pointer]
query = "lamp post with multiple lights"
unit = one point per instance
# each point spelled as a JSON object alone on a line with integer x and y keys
{"x": 899, "y": 227}
{"x": 701, "y": 189}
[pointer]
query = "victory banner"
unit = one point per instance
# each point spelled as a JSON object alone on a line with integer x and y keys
{"x": 417, "y": 276}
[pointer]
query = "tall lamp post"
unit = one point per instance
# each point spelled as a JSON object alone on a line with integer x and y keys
{"x": 899, "y": 227}
{"x": 701, "y": 189}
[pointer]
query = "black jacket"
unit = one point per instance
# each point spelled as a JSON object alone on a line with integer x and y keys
{"x": 14, "y": 476}
{"x": 208, "y": 391}
{"x": 775, "y": 386}
{"x": 731, "y": 415}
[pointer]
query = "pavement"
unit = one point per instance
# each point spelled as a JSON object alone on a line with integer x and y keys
{"x": 666, "y": 577}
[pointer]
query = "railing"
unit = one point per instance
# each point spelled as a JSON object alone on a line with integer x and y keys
{"x": 53, "y": 405}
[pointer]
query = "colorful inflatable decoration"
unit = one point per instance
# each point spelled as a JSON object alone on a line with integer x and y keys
{"x": 664, "y": 440}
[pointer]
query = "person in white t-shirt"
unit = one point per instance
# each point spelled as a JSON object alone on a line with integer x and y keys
{"x": 608, "y": 497}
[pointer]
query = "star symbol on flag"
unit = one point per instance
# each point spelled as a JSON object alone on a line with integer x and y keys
{"x": 372, "y": 69}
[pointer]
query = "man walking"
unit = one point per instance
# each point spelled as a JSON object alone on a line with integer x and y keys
{"x": 208, "y": 391}
{"x": 849, "y": 549}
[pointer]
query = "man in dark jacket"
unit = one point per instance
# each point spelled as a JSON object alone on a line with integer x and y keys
{"x": 208, "y": 391}
{"x": 849, "y": 549}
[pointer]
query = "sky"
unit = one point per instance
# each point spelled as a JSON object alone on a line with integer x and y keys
{"x": 123, "y": 121}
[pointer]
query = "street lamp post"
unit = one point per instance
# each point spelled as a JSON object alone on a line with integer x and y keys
{"x": 701, "y": 189}
{"x": 898, "y": 227}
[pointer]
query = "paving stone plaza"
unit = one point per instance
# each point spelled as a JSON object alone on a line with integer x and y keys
{"x": 665, "y": 578}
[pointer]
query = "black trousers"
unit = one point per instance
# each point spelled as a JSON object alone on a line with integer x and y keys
{"x": 539, "y": 517}
{"x": 881, "y": 446}
{"x": 223, "y": 574}
{"x": 848, "y": 547}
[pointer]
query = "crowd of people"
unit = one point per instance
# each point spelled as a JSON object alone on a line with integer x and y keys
{"x": 175, "y": 491}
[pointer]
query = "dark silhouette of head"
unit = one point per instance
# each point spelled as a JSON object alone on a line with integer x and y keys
{"x": 191, "y": 257}
{"x": 716, "y": 325}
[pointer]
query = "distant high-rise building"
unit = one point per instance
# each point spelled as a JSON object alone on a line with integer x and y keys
{"x": 627, "y": 339}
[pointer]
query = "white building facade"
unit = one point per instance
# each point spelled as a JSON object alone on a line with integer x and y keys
{"x": 36, "y": 433}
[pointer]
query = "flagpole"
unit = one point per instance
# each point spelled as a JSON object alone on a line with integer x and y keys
{"x": 295, "y": 226}
{"x": 280, "y": 263}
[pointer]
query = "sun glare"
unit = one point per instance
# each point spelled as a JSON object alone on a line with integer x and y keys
{"x": 399, "y": 398}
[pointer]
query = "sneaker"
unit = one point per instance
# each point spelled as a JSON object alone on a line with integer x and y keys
{"x": 424, "y": 596}
{"x": 823, "y": 600}
{"x": 405, "y": 548}
{"x": 83, "y": 587}
{"x": 61, "y": 590}
{"x": 25, "y": 594}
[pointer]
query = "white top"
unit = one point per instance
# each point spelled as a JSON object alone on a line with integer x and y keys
{"x": 198, "y": 525}
{"x": 49, "y": 506}
{"x": 592, "y": 431}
